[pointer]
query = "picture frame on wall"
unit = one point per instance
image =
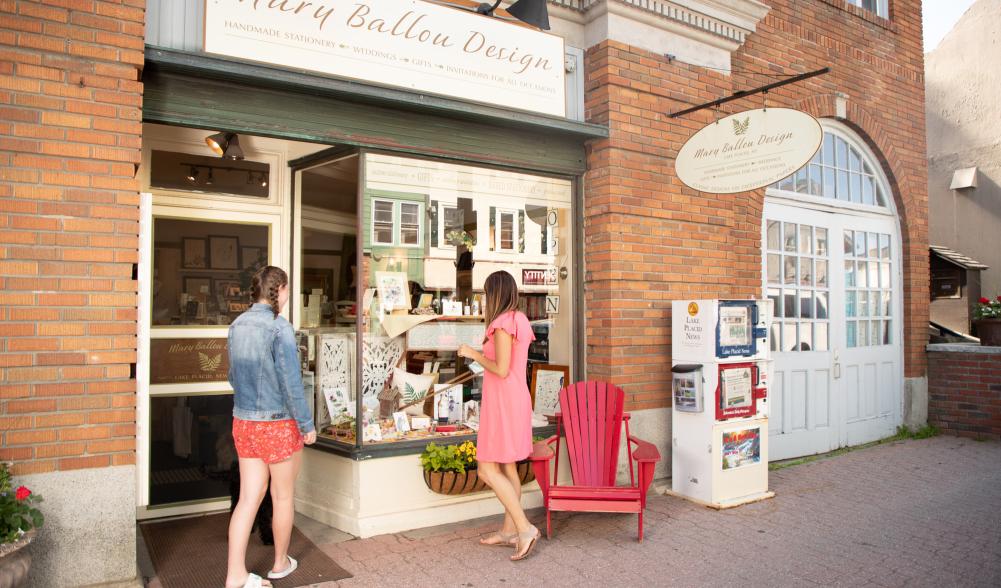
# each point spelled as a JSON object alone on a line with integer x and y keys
{"x": 228, "y": 287}
{"x": 249, "y": 255}
{"x": 224, "y": 252}
{"x": 394, "y": 290}
{"x": 194, "y": 253}
{"x": 547, "y": 381}
{"x": 197, "y": 286}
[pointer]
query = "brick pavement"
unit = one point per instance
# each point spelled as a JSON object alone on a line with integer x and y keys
{"x": 909, "y": 513}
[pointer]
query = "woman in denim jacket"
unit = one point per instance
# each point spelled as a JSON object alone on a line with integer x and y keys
{"x": 271, "y": 422}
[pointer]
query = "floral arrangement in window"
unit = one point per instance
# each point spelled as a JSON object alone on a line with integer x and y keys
{"x": 457, "y": 237}
{"x": 18, "y": 514}
{"x": 987, "y": 309}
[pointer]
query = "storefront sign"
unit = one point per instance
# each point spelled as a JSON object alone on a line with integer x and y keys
{"x": 748, "y": 150}
{"x": 188, "y": 361}
{"x": 538, "y": 277}
{"x": 413, "y": 44}
{"x": 741, "y": 448}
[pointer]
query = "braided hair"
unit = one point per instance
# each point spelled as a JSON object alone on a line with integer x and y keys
{"x": 265, "y": 285}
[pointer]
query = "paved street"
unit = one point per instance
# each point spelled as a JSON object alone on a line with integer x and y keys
{"x": 910, "y": 513}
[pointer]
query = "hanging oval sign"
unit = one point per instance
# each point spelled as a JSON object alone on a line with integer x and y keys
{"x": 748, "y": 150}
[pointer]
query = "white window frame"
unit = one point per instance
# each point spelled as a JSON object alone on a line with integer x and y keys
{"x": 397, "y": 224}
{"x": 498, "y": 214}
{"x": 442, "y": 242}
{"x": 882, "y": 7}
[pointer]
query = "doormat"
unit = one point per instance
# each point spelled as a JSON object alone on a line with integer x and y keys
{"x": 191, "y": 553}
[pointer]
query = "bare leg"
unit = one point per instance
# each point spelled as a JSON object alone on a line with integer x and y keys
{"x": 508, "y": 494}
{"x": 510, "y": 471}
{"x": 253, "y": 485}
{"x": 283, "y": 475}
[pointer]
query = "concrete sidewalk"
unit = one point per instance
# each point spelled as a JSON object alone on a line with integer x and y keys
{"x": 908, "y": 513}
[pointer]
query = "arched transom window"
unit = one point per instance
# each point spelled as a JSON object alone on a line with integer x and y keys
{"x": 840, "y": 171}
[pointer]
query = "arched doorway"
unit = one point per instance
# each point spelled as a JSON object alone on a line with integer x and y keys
{"x": 832, "y": 266}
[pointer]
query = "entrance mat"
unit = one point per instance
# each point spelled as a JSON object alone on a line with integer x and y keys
{"x": 191, "y": 553}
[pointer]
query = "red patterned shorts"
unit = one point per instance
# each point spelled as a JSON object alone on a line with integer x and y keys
{"x": 271, "y": 441}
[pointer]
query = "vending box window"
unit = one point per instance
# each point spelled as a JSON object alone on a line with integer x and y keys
{"x": 687, "y": 386}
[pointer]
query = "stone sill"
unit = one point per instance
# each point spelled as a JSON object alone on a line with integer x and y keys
{"x": 962, "y": 348}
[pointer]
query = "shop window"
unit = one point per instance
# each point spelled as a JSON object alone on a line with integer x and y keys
{"x": 420, "y": 304}
{"x": 186, "y": 172}
{"x": 202, "y": 270}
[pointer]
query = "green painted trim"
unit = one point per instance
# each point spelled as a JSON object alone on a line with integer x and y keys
{"x": 221, "y": 68}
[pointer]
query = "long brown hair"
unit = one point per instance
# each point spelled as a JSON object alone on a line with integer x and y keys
{"x": 502, "y": 295}
{"x": 265, "y": 285}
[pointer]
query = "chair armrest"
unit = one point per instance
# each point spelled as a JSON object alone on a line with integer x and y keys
{"x": 625, "y": 416}
{"x": 542, "y": 450}
{"x": 645, "y": 451}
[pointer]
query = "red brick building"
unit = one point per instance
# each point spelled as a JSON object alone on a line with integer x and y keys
{"x": 81, "y": 139}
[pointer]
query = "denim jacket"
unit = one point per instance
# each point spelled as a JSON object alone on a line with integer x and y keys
{"x": 264, "y": 369}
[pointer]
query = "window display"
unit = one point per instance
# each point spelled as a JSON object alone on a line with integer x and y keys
{"x": 431, "y": 232}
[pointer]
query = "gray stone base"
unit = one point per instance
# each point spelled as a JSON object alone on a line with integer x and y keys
{"x": 654, "y": 426}
{"x": 915, "y": 403}
{"x": 89, "y": 534}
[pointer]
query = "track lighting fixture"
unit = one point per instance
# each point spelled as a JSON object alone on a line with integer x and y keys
{"x": 225, "y": 145}
{"x": 193, "y": 174}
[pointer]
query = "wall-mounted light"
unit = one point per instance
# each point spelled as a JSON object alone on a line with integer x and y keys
{"x": 225, "y": 145}
{"x": 192, "y": 174}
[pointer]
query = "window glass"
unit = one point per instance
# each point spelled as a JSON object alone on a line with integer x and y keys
{"x": 202, "y": 270}
{"x": 198, "y": 173}
{"x": 798, "y": 258}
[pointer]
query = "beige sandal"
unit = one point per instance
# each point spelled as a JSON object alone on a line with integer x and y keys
{"x": 504, "y": 540}
{"x": 528, "y": 539}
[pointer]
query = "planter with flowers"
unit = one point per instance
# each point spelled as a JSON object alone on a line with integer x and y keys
{"x": 987, "y": 317}
{"x": 19, "y": 519}
{"x": 451, "y": 469}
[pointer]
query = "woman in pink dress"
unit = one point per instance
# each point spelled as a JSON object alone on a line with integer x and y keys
{"x": 505, "y": 434}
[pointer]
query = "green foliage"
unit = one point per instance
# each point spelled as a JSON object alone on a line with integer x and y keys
{"x": 903, "y": 433}
{"x": 449, "y": 458}
{"x": 17, "y": 508}
{"x": 925, "y": 432}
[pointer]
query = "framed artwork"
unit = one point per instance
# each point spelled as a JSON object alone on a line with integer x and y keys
{"x": 314, "y": 278}
{"x": 547, "y": 381}
{"x": 235, "y": 306}
{"x": 251, "y": 255}
{"x": 394, "y": 291}
{"x": 201, "y": 287}
{"x": 228, "y": 288}
{"x": 224, "y": 252}
{"x": 194, "y": 253}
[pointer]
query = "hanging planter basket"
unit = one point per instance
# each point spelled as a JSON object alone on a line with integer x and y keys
{"x": 455, "y": 483}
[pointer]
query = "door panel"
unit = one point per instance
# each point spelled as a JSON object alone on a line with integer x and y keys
{"x": 834, "y": 279}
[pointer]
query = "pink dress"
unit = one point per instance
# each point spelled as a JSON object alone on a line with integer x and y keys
{"x": 505, "y": 434}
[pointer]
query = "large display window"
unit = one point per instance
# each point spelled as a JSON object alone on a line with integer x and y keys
{"x": 430, "y": 233}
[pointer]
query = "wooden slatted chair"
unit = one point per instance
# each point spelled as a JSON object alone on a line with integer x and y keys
{"x": 591, "y": 414}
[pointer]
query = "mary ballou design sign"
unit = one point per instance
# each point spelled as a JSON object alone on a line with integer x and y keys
{"x": 188, "y": 361}
{"x": 748, "y": 150}
{"x": 412, "y": 44}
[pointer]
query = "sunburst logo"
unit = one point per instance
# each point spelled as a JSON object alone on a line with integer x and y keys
{"x": 693, "y": 309}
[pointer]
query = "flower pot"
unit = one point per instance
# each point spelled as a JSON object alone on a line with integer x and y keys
{"x": 989, "y": 331}
{"x": 15, "y": 561}
{"x": 454, "y": 483}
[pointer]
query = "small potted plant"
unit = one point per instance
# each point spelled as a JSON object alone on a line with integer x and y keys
{"x": 987, "y": 317}
{"x": 19, "y": 519}
{"x": 463, "y": 243}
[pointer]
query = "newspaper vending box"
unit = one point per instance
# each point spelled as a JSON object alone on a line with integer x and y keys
{"x": 720, "y": 372}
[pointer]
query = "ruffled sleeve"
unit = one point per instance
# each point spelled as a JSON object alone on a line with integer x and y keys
{"x": 515, "y": 324}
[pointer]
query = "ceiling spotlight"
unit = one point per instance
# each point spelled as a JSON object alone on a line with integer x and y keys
{"x": 193, "y": 174}
{"x": 208, "y": 180}
{"x": 264, "y": 180}
{"x": 533, "y": 12}
{"x": 226, "y": 145}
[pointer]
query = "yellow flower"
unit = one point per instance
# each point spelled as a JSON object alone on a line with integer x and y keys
{"x": 470, "y": 459}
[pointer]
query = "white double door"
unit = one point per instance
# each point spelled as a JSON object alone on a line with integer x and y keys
{"x": 834, "y": 277}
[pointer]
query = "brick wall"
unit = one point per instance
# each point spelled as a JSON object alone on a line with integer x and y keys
{"x": 650, "y": 240}
{"x": 70, "y": 135}
{"x": 964, "y": 390}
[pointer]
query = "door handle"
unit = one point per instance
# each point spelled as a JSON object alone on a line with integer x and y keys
{"x": 837, "y": 365}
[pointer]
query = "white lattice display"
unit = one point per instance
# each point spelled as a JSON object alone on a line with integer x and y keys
{"x": 336, "y": 359}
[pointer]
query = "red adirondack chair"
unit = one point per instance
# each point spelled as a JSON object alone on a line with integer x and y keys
{"x": 591, "y": 413}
